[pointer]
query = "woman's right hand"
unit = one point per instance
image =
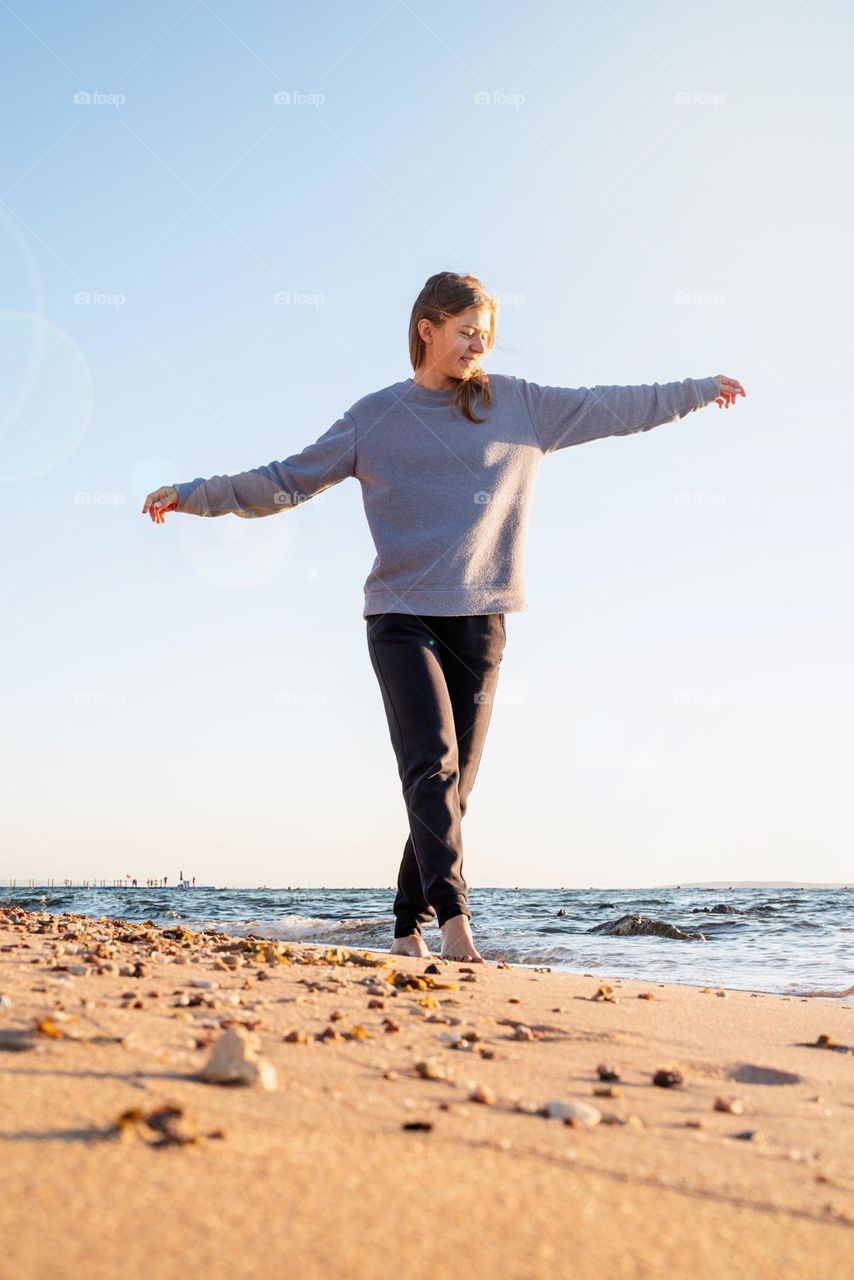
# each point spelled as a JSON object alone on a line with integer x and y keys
{"x": 729, "y": 388}
{"x": 160, "y": 501}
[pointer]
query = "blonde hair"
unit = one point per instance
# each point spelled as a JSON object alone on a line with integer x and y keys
{"x": 445, "y": 295}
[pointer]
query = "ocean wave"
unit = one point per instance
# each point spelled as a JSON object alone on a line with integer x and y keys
{"x": 298, "y": 928}
{"x": 828, "y": 995}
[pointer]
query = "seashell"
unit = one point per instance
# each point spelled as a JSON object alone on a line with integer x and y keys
{"x": 606, "y": 992}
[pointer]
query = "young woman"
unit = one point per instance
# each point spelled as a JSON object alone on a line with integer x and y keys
{"x": 447, "y": 496}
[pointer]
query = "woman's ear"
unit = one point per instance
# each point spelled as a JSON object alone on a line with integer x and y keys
{"x": 425, "y": 329}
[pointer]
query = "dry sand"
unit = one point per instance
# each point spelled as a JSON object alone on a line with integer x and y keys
{"x": 320, "y": 1178}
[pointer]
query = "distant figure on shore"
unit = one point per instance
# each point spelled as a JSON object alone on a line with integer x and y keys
{"x": 447, "y": 497}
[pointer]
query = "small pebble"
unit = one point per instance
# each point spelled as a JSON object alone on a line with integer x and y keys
{"x": 580, "y": 1113}
{"x": 607, "y": 1073}
{"x": 432, "y": 1069}
{"x": 667, "y": 1079}
{"x": 734, "y": 1106}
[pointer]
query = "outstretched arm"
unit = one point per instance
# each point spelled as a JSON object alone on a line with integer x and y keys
{"x": 565, "y": 416}
{"x": 264, "y": 491}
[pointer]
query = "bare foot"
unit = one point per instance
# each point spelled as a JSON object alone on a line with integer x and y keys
{"x": 458, "y": 944}
{"x": 412, "y": 945}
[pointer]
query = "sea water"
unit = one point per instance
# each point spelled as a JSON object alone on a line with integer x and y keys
{"x": 787, "y": 941}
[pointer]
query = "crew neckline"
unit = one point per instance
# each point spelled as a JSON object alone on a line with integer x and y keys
{"x": 439, "y": 393}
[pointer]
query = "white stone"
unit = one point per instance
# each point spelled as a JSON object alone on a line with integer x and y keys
{"x": 581, "y": 1112}
{"x": 235, "y": 1059}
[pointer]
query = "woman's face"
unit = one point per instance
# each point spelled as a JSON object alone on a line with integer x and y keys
{"x": 455, "y": 348}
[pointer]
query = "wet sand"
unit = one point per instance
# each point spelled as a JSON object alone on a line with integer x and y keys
{"x": 118, "y": 1160}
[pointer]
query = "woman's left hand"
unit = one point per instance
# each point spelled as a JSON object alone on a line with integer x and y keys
{"x": 729, "y": 388}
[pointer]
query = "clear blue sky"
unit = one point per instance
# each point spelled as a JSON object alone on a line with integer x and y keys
{"x": 656, "y": 191}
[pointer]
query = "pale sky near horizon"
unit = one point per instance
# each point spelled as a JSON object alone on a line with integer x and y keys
{"x": 654, "y": 192}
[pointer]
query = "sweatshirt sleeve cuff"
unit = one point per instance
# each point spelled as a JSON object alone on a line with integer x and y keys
{"x": 709, "y": 390}
{"x": 183, "y": 491}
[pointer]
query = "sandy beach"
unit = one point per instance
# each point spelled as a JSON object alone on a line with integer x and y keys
{"x": 405, "y": 1116}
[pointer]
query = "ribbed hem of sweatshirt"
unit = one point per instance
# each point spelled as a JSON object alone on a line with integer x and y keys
{"x": 445, "y": 602}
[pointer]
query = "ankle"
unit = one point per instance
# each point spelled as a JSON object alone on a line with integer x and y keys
{"x": 460, "y": 921}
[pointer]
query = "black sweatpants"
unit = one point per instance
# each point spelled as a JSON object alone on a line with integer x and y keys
{"x": 438, "y": 677}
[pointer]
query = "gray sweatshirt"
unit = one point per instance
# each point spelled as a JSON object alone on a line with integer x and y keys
{"x": 447, "y": 500}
